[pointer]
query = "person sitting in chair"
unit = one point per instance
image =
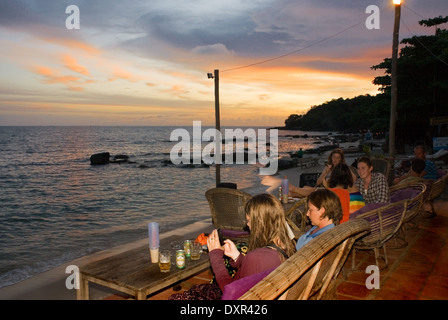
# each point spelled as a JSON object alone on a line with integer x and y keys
{"x": 372, "y": 185}
{"x": 416, "y": 172}
{"x": 269, "y": 242}
{"x": 430, "y": 171}
{"x": 335, "y": 157}
{"x": 324, "y": 211}
{"x": 341, "y": 182}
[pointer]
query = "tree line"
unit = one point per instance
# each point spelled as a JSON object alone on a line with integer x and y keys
{"x": 422, "y": 94}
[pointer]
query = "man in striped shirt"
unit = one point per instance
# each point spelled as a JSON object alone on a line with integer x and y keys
{"x": 430, "y": 171}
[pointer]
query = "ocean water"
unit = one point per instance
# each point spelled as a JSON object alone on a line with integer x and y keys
{"x": 55, "y": 206}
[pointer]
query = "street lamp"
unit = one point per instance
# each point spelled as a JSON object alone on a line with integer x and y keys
{"x": 215, "y": 76}
{"x": 394, "y": 91}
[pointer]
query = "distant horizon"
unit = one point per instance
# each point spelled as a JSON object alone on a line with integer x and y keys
{"x": 167, "y": 126}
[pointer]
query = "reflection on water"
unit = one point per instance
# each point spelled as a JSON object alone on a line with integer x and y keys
{"x": 56, "y": 207}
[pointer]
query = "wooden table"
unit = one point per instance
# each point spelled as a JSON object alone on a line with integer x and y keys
{"x": 133, "y": 273}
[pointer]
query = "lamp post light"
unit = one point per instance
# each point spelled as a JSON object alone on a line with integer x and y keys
{"x": 394, "y": 91}
{"x": 215, "y": 76}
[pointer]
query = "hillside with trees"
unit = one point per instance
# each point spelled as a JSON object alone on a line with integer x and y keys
{"x": 422, "y": 93}
{"x": 345, "y": 115}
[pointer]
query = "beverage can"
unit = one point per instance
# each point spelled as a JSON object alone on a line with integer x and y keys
{"x": 187, "y": 248}
{"x": 180, "y": 259}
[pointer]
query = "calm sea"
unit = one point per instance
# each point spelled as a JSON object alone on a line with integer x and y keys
{"x": 55, "y": 206}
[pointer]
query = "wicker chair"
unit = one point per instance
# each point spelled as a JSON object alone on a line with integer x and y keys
{"x": 385, "y": 220}
{"x": 435, "y": 189}
{"x": 228, "y": 211}
{"x": 415, "y": 192}
{"x": 308, "y": 274}
{"x": 382, "y": 166}
{"x": 296, "y": 216}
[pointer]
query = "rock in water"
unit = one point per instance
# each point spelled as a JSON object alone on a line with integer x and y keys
{"x": 123, "y": 157}
{"x": 100, "y": 158}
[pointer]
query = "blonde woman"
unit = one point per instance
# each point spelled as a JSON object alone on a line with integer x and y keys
{"x": 269, "y": 242}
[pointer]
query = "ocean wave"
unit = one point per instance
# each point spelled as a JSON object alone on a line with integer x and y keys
{"x": 24, "y": 272}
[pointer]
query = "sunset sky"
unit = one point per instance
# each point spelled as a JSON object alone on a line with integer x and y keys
{"x": 145, "y": 62}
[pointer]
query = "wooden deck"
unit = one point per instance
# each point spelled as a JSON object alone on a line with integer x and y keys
{"x": 418, "y": 271}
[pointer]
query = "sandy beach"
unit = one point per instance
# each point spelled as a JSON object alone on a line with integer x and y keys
{"x": 50, "y": 285}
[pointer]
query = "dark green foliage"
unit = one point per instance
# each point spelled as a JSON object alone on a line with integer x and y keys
{"x": 346, "y": 115}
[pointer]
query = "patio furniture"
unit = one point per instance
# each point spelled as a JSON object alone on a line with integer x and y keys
{"x": 436, "y": 188}
{"x": 415, "y": 192}
{"x": 295, "y": 214}
{"x": 132, "y": 272}
{"x": 308, "y": 274}
{"x": 385, "y": 220}
{"x": 227, "y": 207}
{"x": 308, "y": 179}
{"x": 382, "y": 166}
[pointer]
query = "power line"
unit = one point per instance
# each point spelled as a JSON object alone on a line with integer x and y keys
{"x": 325, "y": 39}
{"x": 295, "y": 51}
{"x": 418, "y": 40}
{"x": 416, "y": 13}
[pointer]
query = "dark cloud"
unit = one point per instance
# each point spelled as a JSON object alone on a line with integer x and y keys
{"x": 236, "y": 33}
{"x": 27, "y": 13}
{"x": 245, "y": 28}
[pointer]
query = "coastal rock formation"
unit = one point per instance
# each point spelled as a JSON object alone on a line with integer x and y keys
{"x": 105, "y": 158}
{"x": 121, "y": 157}
{"x": 100, "y": 158}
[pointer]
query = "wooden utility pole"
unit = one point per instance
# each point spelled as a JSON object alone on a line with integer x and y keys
{"x": 394, "y": 90}
{"x": 217, "y": 127}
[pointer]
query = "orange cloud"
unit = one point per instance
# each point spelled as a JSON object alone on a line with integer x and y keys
{"x": 74, "y": 44}
{"x": 73, "y": 65}
{"x": 44, "y": 71}
{"x": 291, "y": 78}
{"x": 177, "y": 90}
{"x": 52, "y": 77}
{"x": 119, "y": 73}
{"x": 77, "y": 89}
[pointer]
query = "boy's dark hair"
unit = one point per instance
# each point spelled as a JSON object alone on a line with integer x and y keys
{"x": 341, "y": 175}
{"x": 418, "y": 165}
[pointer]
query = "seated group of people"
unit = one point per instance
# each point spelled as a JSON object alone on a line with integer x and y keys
{"x": 365, "y": 186}
{"x": 355, "y": 189}
{"x": 270, "y": 243}
{"x": 420, "y": 168}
